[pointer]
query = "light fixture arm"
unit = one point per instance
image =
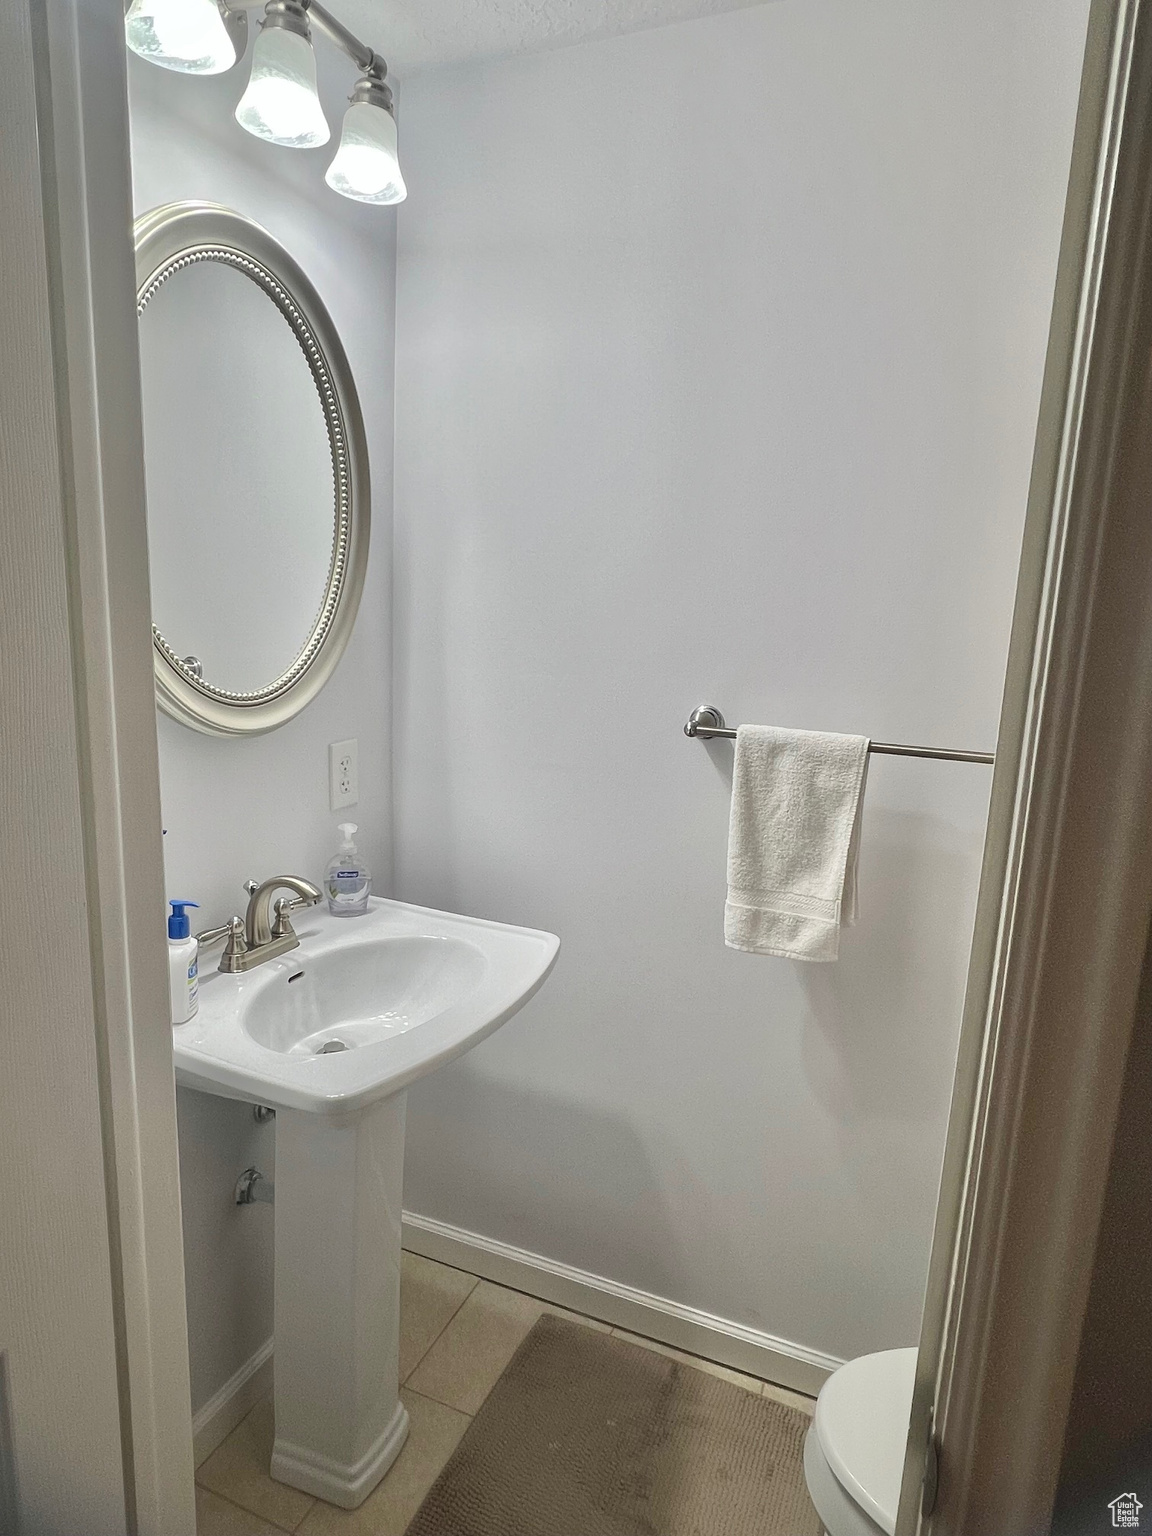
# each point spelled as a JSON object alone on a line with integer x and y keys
{"x": 362, "y": 56}
{"x": 365, "y": 58}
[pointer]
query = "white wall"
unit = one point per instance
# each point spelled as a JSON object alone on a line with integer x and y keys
{"x": 240, "y": 809}
{"x": 719, "y": 352}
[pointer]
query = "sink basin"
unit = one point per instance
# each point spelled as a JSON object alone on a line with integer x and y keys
{"x": 330, "y": 1035}
{"x": 363, "y": 1007}
{"x": 360, "y": 994}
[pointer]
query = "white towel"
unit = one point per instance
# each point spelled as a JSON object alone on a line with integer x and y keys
{"x": 793, "y": 841}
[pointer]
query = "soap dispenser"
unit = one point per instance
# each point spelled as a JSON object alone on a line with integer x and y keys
{"x": 183, "y": 963}
{"x": 347, "y": 882}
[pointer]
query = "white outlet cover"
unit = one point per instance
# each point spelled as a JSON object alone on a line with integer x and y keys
{"x": 343, "y": 774}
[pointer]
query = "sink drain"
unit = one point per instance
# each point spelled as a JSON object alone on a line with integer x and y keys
{"x": 330, "y": 1046}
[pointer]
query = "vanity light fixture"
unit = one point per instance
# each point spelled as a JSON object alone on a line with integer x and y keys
{"x": 196, "y": 37}
{"x": 281, "y": 103}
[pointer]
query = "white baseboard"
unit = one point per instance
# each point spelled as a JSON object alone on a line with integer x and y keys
{"x": 653, "y": 1317}
{"x": 224, "y": 1409}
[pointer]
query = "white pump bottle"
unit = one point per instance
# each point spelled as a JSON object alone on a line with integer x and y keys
{"x": 183, "y": 963}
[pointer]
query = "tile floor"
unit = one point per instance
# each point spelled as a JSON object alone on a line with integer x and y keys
{"x": 457, "y": 1333}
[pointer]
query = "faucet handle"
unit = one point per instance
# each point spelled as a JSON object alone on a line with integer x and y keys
{"x": 282, "y": 925}
{"x": 209, "y": 936}
{"x": 236, "y": 947}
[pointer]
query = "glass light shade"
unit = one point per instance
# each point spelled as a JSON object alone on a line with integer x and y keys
{"x": 188, "y": 35}
{"x": 281, "y": 104}
{"x": 365, "y": 166}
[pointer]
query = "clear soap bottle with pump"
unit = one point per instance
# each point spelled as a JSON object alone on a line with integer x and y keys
{"x": 347, "y": 882}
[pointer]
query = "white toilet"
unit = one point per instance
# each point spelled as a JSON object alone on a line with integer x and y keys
{"x": 854, "y": 1452}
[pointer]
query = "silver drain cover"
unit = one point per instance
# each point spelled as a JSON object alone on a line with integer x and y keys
{"x": 330, "y": 1046}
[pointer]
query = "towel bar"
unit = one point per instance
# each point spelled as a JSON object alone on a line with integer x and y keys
{"x": 707, "y": 722}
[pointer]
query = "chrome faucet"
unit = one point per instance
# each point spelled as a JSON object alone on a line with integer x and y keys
{"x": 255, "y": 937}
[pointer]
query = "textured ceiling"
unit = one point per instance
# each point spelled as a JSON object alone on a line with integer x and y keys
{"x": 418, "y": 34}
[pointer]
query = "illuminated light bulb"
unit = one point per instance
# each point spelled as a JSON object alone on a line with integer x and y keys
{"x": 365, "y": 167}
{"x": 281, "y": 104}
{"x": 197, "y": 37}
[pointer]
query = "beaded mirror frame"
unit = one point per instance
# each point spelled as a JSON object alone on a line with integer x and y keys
{"x": 169, "y": 240}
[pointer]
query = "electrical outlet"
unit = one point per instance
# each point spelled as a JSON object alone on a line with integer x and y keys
{"x": 343, "y": 774}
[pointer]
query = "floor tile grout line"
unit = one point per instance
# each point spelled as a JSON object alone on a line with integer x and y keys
{"x": 290, "y": 1530}
{"x": 305, "y": 1515}
{"x": 439, "y": 1263}
{"x": 463, "y": 1301}
{"x": 244, "y": 1510}
{"x": 440, "y": 1403}
{"x": 549, "y": 1306}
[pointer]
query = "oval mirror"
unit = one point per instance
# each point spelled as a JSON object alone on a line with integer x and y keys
{"x": 256, "y": 470}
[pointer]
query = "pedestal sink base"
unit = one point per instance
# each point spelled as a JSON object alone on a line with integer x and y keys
{"x": 333, "y": 1481}
{"x": 339, "y": 1420}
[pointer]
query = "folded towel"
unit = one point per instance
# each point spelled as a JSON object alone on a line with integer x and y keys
{"x": 793, "y": 841}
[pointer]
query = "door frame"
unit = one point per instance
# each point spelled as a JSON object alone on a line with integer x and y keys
{"x": 77, "y": 56}
{"x": 1066, "y": 889}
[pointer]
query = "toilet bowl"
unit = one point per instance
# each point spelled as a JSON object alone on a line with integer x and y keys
{"x": 854, "y": 1452}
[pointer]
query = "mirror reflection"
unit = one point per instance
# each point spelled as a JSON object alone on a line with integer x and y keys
{"x": 242, "y": 513}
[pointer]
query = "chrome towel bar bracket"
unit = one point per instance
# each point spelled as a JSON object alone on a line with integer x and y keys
{"x": 708, "y": 723}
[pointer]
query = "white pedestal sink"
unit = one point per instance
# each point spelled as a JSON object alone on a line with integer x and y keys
{"x": 330, "y": 1035}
